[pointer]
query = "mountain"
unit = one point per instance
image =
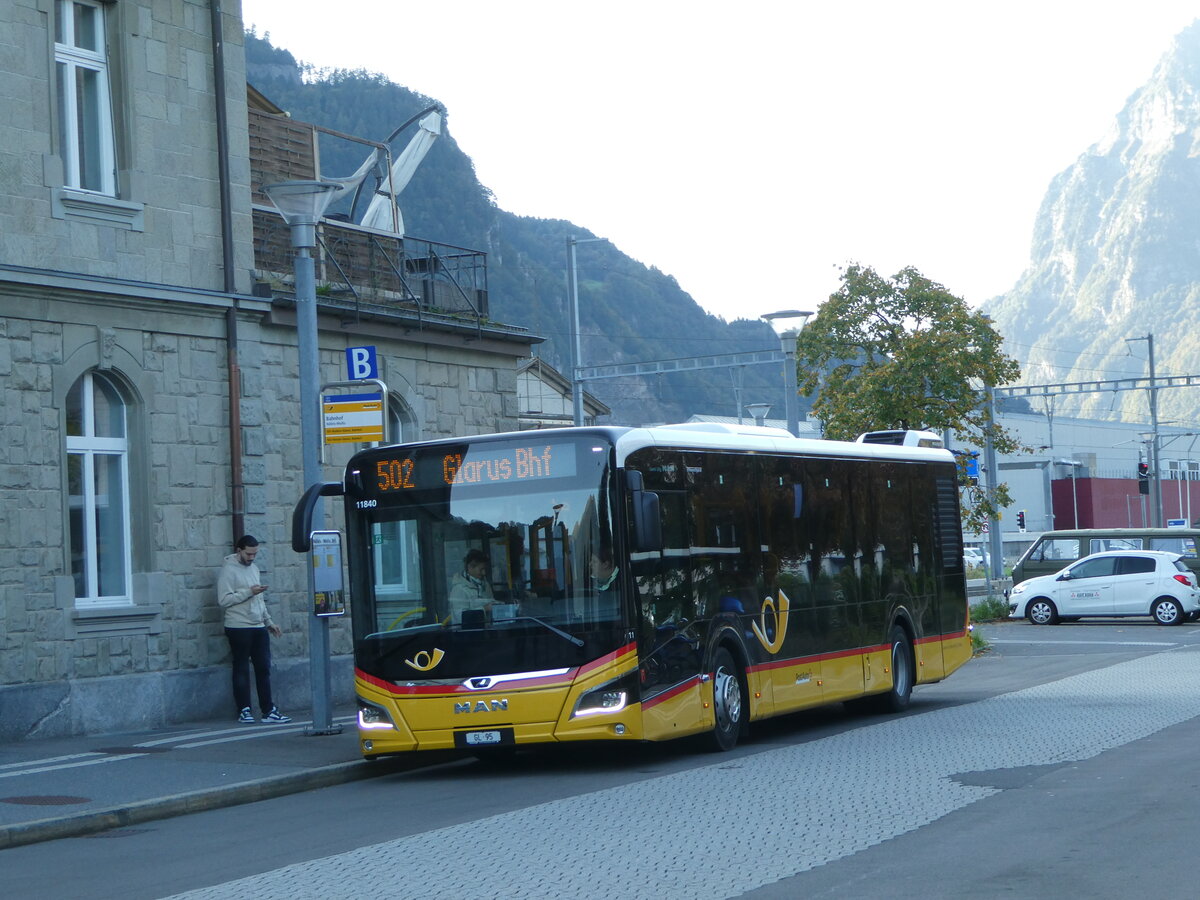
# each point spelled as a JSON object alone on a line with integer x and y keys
{"x": 629, "y": 312}
{"x": 1116, "y": 255}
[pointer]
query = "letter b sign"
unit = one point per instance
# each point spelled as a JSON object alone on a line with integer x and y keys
{"x": 361, "y": 363}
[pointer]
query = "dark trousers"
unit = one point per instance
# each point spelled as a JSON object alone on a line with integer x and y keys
{"x": 251, "y": 645}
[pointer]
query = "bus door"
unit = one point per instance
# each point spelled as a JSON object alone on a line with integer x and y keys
{"x": 669, "y": 647}
{"x": 827, "y": 527}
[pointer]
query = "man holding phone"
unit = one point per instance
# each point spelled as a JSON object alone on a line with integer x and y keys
{"x": 249, "y": 628}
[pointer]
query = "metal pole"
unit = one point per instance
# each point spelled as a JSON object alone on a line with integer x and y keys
{"x": 1074, "y": 498}
{"x": 1156, "y": 499}
{"x": 787, "y": 343}
{"x": 995, "y": 564}
{"x": 310, "y": 439}
{"x": 576, "y": 354}
{"x": 736, "y": 376}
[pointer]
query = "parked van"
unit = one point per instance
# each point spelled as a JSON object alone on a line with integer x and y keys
{"x": 1054, "y": 550}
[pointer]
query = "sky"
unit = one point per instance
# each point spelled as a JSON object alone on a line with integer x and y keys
{"x": 753, "y": 149}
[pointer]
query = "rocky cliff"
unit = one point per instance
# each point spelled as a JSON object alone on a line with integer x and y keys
{"x": 1116, "y": 255}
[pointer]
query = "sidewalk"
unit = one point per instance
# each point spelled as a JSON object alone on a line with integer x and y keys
{"x": 64, "y": 787}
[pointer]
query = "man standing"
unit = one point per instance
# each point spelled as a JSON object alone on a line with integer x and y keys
{"x": 249, "y": 628}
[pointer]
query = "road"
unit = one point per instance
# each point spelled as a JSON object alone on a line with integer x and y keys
{"x": 1059, "y": 763}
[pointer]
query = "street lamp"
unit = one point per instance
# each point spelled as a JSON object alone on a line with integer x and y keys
{"x": 1074, "y": 464}
{"x": 1156, "y": 502}
{"x": 302, "y": 203}
{"x": 573, "y": 303}
{"x": 787, "y": 343}
{"x": 759, "y": 411}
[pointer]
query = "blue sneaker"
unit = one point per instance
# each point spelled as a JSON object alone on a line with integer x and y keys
{"x": 245, "y": 717}
{"x": 274, "y": 716}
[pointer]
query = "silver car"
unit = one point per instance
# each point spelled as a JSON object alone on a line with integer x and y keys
{"x": 1114, "y": 583}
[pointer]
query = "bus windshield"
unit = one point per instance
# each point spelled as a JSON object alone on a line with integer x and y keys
{"x": 486, "y": 557}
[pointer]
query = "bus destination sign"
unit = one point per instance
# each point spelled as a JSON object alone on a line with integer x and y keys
{"x": 478, "y": 465}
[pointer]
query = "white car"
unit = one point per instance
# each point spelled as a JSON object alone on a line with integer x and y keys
{"x": 972, "y": 557}
{"x": 1114, "y": 583}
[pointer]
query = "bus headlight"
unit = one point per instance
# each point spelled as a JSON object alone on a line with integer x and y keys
{"x": 371, "y": 716}
{"x": 611, "y": 697}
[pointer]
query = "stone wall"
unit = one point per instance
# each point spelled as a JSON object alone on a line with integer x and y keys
{"x": 168, "y": 654}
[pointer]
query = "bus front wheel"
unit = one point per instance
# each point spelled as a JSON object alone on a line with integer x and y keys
{"x": 729, "y": 702}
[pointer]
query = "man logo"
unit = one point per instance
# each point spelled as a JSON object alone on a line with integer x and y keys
{"x": 481, "y": 706}
{"x": 423, "y": 661}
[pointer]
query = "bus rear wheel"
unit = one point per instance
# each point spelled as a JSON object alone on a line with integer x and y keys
{"x": 898, "y": 696}
{"x": 729, "y": 704}
{"x": 903, "y": 672}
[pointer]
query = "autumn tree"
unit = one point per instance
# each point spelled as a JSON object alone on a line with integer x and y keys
{"x": 903, "y": 352}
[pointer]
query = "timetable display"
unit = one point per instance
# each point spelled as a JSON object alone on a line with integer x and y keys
{"x": 470, "y": 465}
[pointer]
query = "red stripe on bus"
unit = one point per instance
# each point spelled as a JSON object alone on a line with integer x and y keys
{"x": 607, "y": 658}
{"x": 671, "y": 692}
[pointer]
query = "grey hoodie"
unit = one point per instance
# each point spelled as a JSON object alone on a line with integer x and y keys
{"x": 242, "y": 609}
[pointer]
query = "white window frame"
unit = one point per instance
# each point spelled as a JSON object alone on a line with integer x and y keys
{"x": 71, "y": 61}
{"x": 88, "y": 447}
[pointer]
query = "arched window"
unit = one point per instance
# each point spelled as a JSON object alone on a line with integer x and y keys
{"x": 402, "y": 424}
{"x": 98, "y": 488}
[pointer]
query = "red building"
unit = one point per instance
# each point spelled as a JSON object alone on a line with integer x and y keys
{"x": 1116, "y": 502}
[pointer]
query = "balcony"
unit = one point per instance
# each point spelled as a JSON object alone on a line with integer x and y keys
{"x": 360, "y": 272}
{"x": 364, "y": 272}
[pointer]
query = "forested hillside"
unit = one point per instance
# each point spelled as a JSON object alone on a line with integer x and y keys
{"x": 629, "y": 312}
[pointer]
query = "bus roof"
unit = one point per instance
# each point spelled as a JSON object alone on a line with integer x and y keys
{"x": 716, "y": 436}
{"x": 704, "y": 436}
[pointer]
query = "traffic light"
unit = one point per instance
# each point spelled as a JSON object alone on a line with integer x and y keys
{"x": 1020, "y": 520}
{"x": 1143, "y": 478}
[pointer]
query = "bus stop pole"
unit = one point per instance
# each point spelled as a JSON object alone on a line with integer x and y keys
{"x": 318, "y": 627}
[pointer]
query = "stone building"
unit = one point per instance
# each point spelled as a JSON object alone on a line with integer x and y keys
{"x": 148, "y": 357}
{"x": 545, "y": 400}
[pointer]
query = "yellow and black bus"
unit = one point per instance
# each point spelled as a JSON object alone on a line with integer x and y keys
{"x": 642, "y": 584}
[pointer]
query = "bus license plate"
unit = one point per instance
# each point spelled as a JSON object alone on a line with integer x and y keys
{"x": 474, "y": 738}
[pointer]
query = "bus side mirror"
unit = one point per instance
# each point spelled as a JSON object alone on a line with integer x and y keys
{"x": 302, "y": 514}
{"x": 647, "y": 520}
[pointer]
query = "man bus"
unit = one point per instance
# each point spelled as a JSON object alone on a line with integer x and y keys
{"x": 643, "y": 584}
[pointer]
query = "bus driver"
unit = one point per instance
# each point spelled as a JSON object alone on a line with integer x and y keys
{"x": 470, "y": 588}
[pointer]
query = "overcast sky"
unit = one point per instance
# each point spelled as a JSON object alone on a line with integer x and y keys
{"x": 752, "y": 149}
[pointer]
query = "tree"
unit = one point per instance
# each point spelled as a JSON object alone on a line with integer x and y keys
{"x": 903, "y": 352}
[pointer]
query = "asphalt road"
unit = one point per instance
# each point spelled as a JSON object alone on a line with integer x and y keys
{"x": 1060, "y": 763}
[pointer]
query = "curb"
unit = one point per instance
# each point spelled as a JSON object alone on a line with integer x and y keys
{"x": 207, "y": 799}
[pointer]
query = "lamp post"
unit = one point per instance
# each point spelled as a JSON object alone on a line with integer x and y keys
{"x": 759, "y": 411}
{"x": 573, "y": 312}
{"x": 787, "y": 343}
{"x": 302, "y": 203}
{"x": 1156, "y": 504}
{"x": 1074, "y": 464}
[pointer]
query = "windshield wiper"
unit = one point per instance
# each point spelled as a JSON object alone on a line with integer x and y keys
{"x": 578, "y": 642}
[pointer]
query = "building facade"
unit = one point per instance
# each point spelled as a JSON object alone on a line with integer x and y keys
{"x": 149, "y": 362}
{"x": 545, "y": 400}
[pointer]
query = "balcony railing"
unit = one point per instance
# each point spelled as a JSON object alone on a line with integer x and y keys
{"x": 363, "y": 271}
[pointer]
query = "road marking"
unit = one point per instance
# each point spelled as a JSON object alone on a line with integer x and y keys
{"x": 182, "y": 740}
{"x": 36, "y": 769}
{"x": 51, "y": 759}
